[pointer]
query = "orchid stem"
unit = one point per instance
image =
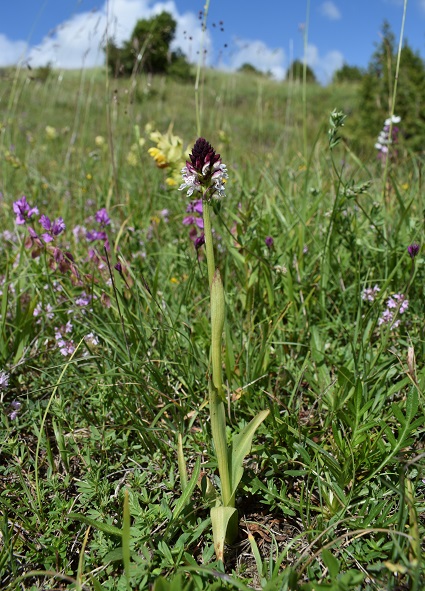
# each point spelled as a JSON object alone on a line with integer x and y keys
{"x": 206, "y": 208}
{"x": 216, "y": 404}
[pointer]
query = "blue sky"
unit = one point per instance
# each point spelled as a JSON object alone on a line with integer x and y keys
{"x": 70, "y": 33}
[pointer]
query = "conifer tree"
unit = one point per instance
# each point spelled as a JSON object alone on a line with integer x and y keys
{"x": 376, "y": 92}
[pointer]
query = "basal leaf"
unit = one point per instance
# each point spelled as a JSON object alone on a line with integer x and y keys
{"x": 240, "y": 447}
{"x": 224, "y": 522}
{"x": 188, "y": 491}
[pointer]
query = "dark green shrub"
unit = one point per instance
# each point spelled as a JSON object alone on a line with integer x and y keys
{"x": 148, "y": 50}
{"x": 348, "y": 74}
{"x": 295, "y": 72}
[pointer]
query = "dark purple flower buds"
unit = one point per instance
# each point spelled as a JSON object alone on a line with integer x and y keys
{"x": 413, "y": 250}
{"x": 204, "y": 172}
{"x": 269, "y": 241}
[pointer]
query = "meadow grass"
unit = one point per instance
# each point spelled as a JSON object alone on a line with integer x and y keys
{"x": 107, "y": 368}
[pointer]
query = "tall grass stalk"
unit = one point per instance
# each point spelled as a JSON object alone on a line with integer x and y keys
{"x": 394, "y": 96}
{"x": 304, "y": 95}
{"x": 109, "y": 125}
{"x": 198, "y": 93}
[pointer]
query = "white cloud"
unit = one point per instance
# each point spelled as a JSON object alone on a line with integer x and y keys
{"x": 324, "y": 66}
{"x": 11, "y": 52}
{"x": 75, "y": 43}
{"x": 258, "y": 55}
{"x": 330, "y": 10}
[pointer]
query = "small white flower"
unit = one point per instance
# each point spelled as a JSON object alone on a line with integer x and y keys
{"x": 91, "y": 339}
{"x": 49, "y": 311}
{"x": 4, "y": 380}
{"x": 38, "y": 309}
{"x": 370, "y": 293}
{"x": 393, "y": 119}
{"x": 191, "y": 182}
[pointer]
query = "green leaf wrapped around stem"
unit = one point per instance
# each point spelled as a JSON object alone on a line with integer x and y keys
{"x": 209, "y": 249}
{"x": 225, "y": 528}
{"x": 218, "y": 429}
{"x": 217, "y": 325}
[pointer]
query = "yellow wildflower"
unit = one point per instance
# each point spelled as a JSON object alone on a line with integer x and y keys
{"x": 132, "y": 159}
{"x": 168, "y": 152}
{"x": 223, "y": 136}
{"x": 155, "y": 136}
{"x": 159, "y": 157}
{"x": 51, "y": 132}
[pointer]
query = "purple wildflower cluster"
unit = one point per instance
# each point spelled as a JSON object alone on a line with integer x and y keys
{"x": 53, "y": 229}
{"x": 100, "y": 235}
{"x": 369, "y": 293}
{"x": 63, "y": 261}
{"x": 396, "y": 304}
{"x": 60, "y": 259}
{"x": 4, "y": 380}
{"x": 413, "y": 250}
{"x": 384, "y": 138}
{"x": 23, "y": 210}
{"x": 47, "y": 311}
{"x": 83, "y": 300}
{"x": 196, "y": 221}
{"x": 65, "y": 345}
{"x": 24, "y": 213}
{"x": 63, "y": 340}
{"x": 269, "y": 242}
{"x": 37, "y": 242}
{"x": 164, "y": 213}
{"x": 15, "y": 404}
{"x": 103, "y": 219}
